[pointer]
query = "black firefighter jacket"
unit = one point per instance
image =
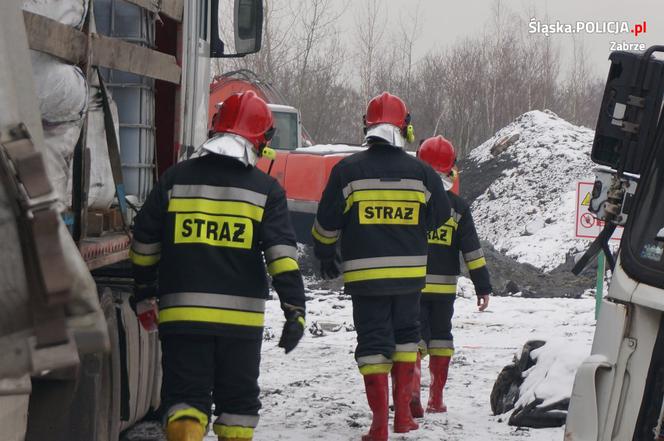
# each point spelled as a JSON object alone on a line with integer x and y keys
{"x": 379, "y": 204}
{"x": 456, "y": 235}
{"x": 209, "y": 227}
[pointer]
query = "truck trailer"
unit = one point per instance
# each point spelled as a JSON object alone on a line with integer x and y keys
{"x": 111, "y": 93}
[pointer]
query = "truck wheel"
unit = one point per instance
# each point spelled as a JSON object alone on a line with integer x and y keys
{"x": 95, "y": 412}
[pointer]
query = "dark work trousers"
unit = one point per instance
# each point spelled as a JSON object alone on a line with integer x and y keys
{"x": 202, "y": 369}
{"x": 381, "y": 322}
{"x": 436, "y": 317}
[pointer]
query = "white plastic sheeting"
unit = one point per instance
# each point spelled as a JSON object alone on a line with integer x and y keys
{"x": 69, "y": 12}
{"x": 61, "y": 89}
{"x": 64, "y": 97}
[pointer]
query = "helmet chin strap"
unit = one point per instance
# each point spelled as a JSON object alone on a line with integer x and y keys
{"x": 232, "y": 146}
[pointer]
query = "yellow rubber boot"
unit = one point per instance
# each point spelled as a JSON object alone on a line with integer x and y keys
{"x": 185, "y": 429}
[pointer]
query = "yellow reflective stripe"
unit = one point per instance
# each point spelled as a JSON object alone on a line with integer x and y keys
{"x": 301, "y": 321}
{"x": 190, "y": 412}
{"x": 232, "y": 208}
{"x": 404, "y": 357}
{"x": 477, "y": 263}
{"x": 211, "y": 315}
{"x": 233, "y": 432}
{"x": 441, "y": 352}
{"x": 322, "y": 239}
{"x": 435, "y": 288}
{"x": 384, "y": 195}
{"x": 452, "y": 223}
{"x": 143, "y": 260}
{"x": 282, "y": 265}
{"x": 370, "y": 369}
{"x": 385, "y": 273}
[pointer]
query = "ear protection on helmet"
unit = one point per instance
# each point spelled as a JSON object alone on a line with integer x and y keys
{"x": 409, "y": 131}
{"x": 268, "y": 153}
{"x": 266, "y": 150}
{"x": 453, "y": 174}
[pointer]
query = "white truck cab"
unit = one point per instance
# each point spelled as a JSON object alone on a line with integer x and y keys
{"x": 288, "y": 135}
{"x": 618, "y": 392}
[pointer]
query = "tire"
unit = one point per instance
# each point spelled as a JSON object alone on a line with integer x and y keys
{"x": 95, "y": 411}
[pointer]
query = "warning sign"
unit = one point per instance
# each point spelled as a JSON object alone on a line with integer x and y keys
{"x": 587, "y": 225}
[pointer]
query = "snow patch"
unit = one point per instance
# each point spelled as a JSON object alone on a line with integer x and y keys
{"x": 330, "y": 149}
{"x": 552, "y": 377}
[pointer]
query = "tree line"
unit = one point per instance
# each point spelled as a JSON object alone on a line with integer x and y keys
{"x": 465, "y": 92}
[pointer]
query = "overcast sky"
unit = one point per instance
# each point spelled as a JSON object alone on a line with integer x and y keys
{"x": 445, "y": 21}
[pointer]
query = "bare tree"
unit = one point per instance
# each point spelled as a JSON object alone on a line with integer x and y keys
{"x": 465, "y": 92}
{"x": 369, "y": 32}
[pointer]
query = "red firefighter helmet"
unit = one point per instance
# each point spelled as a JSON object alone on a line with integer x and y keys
{"x": 439, "y": 153}
{"x": 247, "y": 115}
{"x": 387, "y": 118}
{"x": 387, "y": 109}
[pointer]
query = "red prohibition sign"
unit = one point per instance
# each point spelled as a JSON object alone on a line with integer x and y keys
{"x": 587, "y": 220}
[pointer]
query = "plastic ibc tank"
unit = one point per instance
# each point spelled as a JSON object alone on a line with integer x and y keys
{"x": 133, "y": 94}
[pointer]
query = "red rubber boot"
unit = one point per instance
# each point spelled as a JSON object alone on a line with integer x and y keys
{"x": 402, "y": 393}
{"x": 416, "y": 403}
{"x": 438, "y": 366}
{"x": 377, "y": 389}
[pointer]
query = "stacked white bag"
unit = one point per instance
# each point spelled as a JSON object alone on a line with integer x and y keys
{"x": 65, "y": 97}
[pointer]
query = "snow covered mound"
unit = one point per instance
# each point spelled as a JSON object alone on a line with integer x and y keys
{"x": 528, "y": 210}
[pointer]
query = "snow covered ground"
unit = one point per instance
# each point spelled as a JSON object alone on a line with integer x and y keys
{"x": 316, "y": 392}
{"x": 537, "y": 193}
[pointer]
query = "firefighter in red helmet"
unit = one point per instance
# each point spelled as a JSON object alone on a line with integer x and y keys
{"x": 200, "y": 245}
{"x": 379, "y": 204}
{"x": 456, "y": 235}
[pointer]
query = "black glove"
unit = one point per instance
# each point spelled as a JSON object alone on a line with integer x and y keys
{"x": 293, "y": 331}
{"x": 331, "y": 268}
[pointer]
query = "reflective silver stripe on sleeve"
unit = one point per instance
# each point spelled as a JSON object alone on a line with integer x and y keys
{"x": 146, "y": 248}
{"x": 446, "y": 280}
{"x": 373, "y": 359}
{"x": 378, "y": 184}
{"x": 279, "y": 251}
{"x": 441, "y": 344}
{"x": 207, "y": 300}
{"x": 454, "y": 215}
{"x": 332, "y": 234}
{"x": 309, "y": 207}
{"x": 473, "y": 255}
{"x": 219, "y": 193}
{"x": 230, "y": 419}
{"x": 384, "y": 262}
{"x": 406, "y": 347}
